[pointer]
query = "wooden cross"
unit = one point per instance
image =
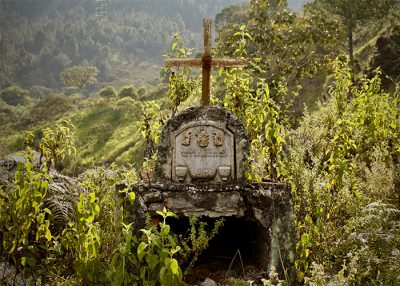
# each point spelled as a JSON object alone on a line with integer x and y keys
{"x": 206, "y": 62}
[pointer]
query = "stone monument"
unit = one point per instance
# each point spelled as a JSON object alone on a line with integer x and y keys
{"x": 201, "y": 171}
{"x": 203, "y": 144}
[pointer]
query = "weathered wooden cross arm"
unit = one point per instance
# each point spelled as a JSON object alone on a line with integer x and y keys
{"x": 219, "y": 63}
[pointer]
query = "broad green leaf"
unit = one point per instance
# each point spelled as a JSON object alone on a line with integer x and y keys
{"x": 131, "y": 196}
{"x": 165, "y": 230}
{"x": 140, "y": 250}
{"x": 152, "y": 261}
{"x": 162, "y": 275}
{"x": 174, "y": 266}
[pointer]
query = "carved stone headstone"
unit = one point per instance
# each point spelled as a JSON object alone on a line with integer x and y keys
{"x": 203, "y": 144}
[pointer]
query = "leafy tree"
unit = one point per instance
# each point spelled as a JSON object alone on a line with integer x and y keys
{"x": 231, "y": 14}
{"x": 15, "y": 95}
{"x": 108, "y": 91}
{"x": 287, "y": 44}
{"x": 79, "y": 76}
{"x": 387, "y": 56}
{"x": 128, "y": 91}
{"x": 38, "y": 91}
{"x": 354, "y": 13}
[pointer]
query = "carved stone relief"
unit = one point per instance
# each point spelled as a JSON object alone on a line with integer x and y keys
{"x": 203, "y": 151}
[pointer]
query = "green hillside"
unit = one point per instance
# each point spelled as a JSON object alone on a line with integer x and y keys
{"x": 106, "y": 130}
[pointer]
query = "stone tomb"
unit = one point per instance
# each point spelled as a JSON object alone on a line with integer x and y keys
{"x": 200, "y": 171}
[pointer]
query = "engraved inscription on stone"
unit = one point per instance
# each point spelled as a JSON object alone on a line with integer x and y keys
{"x": 209, "y": 157}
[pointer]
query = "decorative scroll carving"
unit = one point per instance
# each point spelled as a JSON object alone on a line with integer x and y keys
{"x": 181, "y": 172}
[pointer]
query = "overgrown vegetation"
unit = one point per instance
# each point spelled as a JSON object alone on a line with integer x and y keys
{"x": 342, "y": 159}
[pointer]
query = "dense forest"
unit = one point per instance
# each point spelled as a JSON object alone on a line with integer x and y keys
{"x": 123, "y": 39}
{"x": 84, "y": 97}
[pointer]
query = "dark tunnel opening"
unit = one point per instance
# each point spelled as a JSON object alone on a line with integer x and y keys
{"x": 241, "y": 244}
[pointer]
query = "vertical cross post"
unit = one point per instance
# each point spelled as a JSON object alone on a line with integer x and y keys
{"x": 206, "y": 62}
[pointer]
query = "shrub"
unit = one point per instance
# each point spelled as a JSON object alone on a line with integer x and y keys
{"x": 141, "y": 91}
{"x": 52, "y": 107}
{"x": 7, "y": 114}
{"x": 38, "y": 91}
{"x": 15, "y": 95}
{"x": 340, "y": 159}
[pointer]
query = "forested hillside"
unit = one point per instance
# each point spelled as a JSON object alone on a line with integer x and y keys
{"x": 125, "y": 40}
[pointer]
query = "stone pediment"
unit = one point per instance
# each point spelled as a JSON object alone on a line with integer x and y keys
{"x": 203, "y": 144}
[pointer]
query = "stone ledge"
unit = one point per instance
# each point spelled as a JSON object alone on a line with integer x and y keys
{"x": 212, "y": 187}
{"x": 217, "y": 200}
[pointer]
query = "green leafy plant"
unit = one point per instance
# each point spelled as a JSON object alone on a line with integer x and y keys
{"x": 150, "y": 127}
{"x": 329, "y": 158}
{"x": 123, "y": 259}
{"x": 82, "y": 238}
{"x": 156, "y": 254}
{"x": 181, "y": 83}
{"x": 114, "y": 248}
{"x": 57, "y": 144}
{"x": 197, "y": 241}
{"x": 263, "y": 110}
{"x": 25, "y": 220}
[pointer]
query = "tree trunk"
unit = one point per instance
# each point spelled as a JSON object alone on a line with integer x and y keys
{"x": 351, "y": 56}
